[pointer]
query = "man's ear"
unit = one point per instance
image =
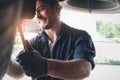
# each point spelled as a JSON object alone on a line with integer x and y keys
{"x": 58, "y": 8}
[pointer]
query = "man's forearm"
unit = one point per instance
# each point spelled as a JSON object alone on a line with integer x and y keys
{"x": 69, "y": 70}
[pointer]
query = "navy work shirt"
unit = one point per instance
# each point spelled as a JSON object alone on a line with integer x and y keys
{"x": 70, "y": 44}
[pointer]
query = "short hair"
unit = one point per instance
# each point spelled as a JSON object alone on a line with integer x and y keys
{"x": 51, "y": 2}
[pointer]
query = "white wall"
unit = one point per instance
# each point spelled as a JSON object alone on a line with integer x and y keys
{"x": 85, "y": 21}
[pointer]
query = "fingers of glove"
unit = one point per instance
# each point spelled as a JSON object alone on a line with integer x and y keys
{"x": 19, "y": 56}
{"x": 25, "y": 63}
{"x": 27, "y": 70}
{"x": 28, "y": 74}
{"x": 31, "y": 74}
{"x": 23, "y": 56}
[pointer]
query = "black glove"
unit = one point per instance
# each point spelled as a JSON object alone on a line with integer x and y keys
{"x": 32, "y": 62}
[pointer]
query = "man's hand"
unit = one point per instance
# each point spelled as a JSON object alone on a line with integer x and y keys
{"x": 32, "y": 62}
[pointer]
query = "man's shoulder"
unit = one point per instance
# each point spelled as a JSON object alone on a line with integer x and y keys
{"x": 74, "y": 31}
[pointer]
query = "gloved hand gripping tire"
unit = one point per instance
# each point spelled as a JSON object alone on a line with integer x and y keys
{"x": 32, "y": 62}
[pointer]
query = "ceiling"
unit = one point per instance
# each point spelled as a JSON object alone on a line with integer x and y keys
{"x": 93, "y": 6}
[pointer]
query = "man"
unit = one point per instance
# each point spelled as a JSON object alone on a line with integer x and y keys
{"x": 58, "y": 52}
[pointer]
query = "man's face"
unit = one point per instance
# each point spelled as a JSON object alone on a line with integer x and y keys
{"x": 46, "y": 15}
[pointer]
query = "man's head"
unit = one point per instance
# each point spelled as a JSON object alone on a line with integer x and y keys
{"x": 50, "y": 2}
{"x": 48, "y": 12}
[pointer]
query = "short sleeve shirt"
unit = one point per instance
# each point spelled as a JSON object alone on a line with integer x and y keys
{"x": 70, "y": 44}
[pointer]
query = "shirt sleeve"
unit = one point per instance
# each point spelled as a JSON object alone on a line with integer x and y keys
{"x": 84, "y": 49}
